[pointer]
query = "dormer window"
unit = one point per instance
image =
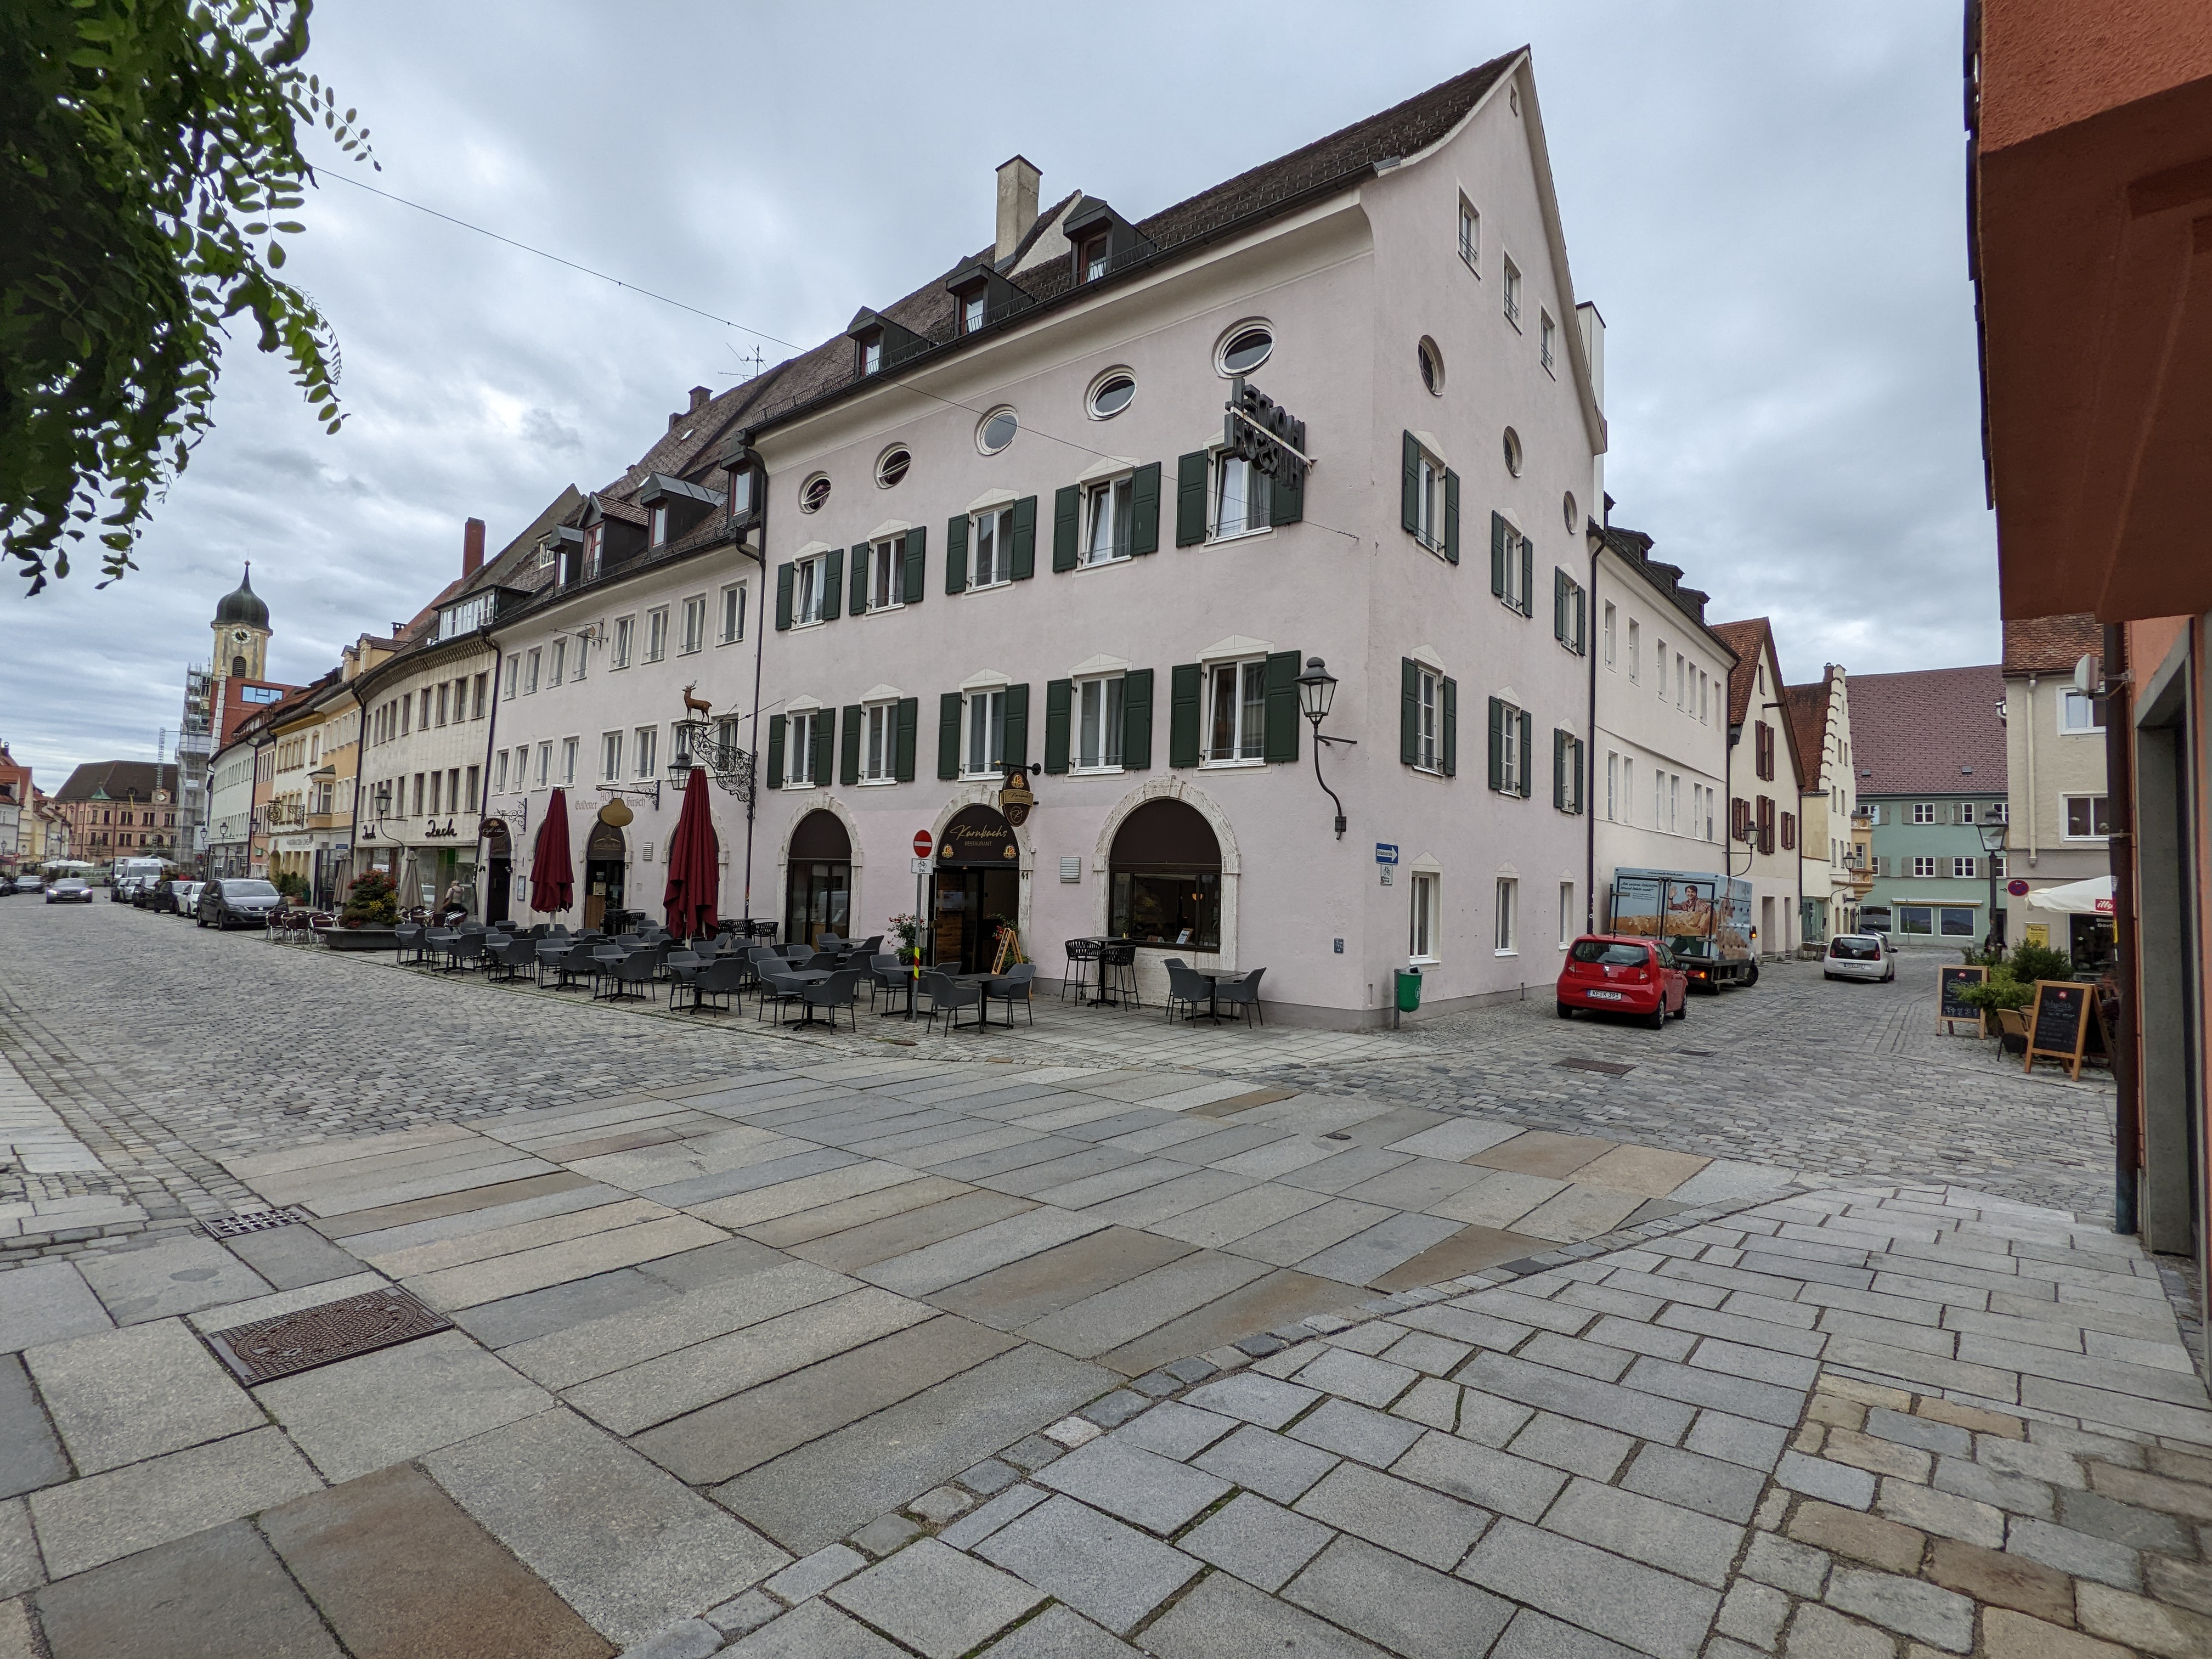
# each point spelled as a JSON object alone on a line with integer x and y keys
{"x": 872, "y": 352}
{"x": 1093, "y": 257}
{"x": 971, "y": 309}
{"x": 656, "y": 523}
{"x": 592, "y": 540}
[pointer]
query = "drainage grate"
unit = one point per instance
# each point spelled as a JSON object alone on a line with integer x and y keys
{"x": 1696, "y": 1053}
{"x": 270, "y": 1348}
{"x": 254, "y": 1221}
{"x": 1611, "y": 1069}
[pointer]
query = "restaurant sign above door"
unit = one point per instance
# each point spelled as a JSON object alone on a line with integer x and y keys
{"x": 977, "y": 834}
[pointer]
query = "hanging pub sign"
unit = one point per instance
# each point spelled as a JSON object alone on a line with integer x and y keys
{"x": 1259, "y": 430}
{"x": 1016, "y": 798}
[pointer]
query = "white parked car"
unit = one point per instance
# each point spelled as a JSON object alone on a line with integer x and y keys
{"x": 1859, "y": 956}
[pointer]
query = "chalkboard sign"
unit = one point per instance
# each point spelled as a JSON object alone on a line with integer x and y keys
{"x": 1950, "y": 1010}
{"x": 2066, "y": 1022}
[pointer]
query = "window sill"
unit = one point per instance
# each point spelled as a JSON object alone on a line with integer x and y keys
{"x": 1425, "y": 962}
{"x": 992, "y": 586}
{"x": 1505, "y": 953}
{"x": 1100, "y": 771}
{"x": 1215, "y": 539}
{"x": 1435, "y": 772}
{"x": 1082, "y": 565}
{"x": 878, "y": 783}
{"x": 1513, "y": 318}
{"x": 880, "y": 610}
{"x": 740, "y": 640}
{"x": 811, "y": 621}
{"x": 1231, "y": 765}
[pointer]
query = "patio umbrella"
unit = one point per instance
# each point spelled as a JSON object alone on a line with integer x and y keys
{"x": 410, "y": 881}
{"x": 694, "y": 863}
{"x": 2092, "y": 897}
{"x": 552, "y": 877}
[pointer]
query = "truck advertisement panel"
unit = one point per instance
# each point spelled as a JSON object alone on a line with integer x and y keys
{"x": 1703, "y": 918}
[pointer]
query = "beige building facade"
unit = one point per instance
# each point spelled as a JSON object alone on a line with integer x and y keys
{"x": 2057, "y": 806}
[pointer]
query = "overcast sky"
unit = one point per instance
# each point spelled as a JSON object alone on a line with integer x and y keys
{"x": 1766, "y": 203}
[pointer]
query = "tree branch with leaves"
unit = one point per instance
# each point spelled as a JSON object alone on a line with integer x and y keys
{"x": 149, "y": 154}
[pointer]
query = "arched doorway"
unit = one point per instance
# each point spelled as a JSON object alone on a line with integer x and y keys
{"x": 817, "y": 895}
{"x": 978, "y": 889}
{"x": 499, "y": 870}
{"x": 1165, "y": 875}
{"x": 604, "y": 860}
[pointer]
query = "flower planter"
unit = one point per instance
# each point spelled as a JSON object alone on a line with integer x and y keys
{"x": 360, "y": 939}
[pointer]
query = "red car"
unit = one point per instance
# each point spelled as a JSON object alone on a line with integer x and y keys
{"x": 1611, "y": 974}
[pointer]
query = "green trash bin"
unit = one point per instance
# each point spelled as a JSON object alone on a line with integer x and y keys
{"x": 1409, "y": 990}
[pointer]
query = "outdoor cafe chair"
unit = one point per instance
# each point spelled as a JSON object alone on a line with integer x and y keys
{"x": 1243, "y": 994}
{"x": 723, "y": 978}
{"x": 464, "y": 951}
{"x": 841, "y": 990}
{"x": 1010, "y": 988}
{"x": 513, "y": 954}
{"x": 885, "y": 974}
{"x": 406, "y": 940}
{"x": 1081, "y": 953}
{"x": 948, "y": 996}
{"x": 780, "y": 988}
{"x": 1117, "y": 972}
{"x": 823, "y": 961}
{"x": 1187, "y": 985}
{"x": 575, "y": 964}
{"x": 637, "y": 970}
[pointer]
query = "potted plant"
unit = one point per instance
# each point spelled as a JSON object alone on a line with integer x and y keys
{"x": 908, "y": 929}
{"x": 372, "y": 911}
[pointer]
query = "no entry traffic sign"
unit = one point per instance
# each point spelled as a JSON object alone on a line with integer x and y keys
{"x": 921, "y": 843}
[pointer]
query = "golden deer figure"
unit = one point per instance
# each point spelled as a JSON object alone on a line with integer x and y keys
{"x": 695, "y": 705}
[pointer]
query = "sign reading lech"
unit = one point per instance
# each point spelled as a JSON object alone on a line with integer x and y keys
{"x": 921, "y": 843}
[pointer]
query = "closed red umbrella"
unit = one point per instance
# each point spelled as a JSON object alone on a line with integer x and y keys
{"x": 552, "y": 877}
{"x": 694, "y": 857}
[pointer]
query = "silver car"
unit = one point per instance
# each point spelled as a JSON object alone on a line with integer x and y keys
{"x": 1859, "y": 956}
{"x": 69, "y": 890}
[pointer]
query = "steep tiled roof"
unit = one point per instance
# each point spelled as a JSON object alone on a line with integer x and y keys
{"x": 119, "y": 781}
{"x": 2052, "y": 645}
{"x": 1915, "y": 734}
{"x": 1752, "y": 641}
{"x": 1251, "y": 196}
{"x": 1808, "y": 709}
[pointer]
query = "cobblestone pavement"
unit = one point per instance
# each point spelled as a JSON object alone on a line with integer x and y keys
{"x": 1095, "y": 1335}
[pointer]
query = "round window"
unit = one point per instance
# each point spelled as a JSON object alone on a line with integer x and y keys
{"x": 1112, "y": 395}
{"x": 1512, "y": 452}
{"x": 814, "y": 494}
{"x": 1567, "y": 511}
{"x": 892, "y": 465}
{"x": 997, "y": 431}
{"x": 1432, "y": 367}
{"x": 1246, "y": 349}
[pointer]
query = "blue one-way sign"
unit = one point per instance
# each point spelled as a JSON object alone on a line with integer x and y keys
{"x": 1386, "y": 853}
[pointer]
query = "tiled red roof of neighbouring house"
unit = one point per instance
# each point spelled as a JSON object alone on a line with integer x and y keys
{"x": 1915, "y": 734}
{"x": 2052, "y": 645}
{"x": 1808, "y": 709}
{"x": 1753, "y": 642}
{"x": 119, "y": 781}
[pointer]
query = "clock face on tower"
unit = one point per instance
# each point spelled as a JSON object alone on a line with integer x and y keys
{"x": 239, "y": 635}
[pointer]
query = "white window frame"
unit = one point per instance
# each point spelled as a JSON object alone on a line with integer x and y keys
{"x": 1965, "y": 811}
{"x": 1424, "y": 919}
{"x": 1924, "y": 811}
{"x": 544, "y": 763}
{"x": 2066, "y": 817}
{"x": 798, "y": 748}
{"x": 693, "y": 637}
{"x": 498, "y": 788}
{"x": 1428, "y": 720}
{"x": 1470, "y": 236}
{"x": 1248, "y": 670}
{"x": 568, "y": 747}
{"x": 1510, "y": 757}
{"x": 1924, "y": 866}
{"x": 555, "y": 672}
{"x": 1505, "y": 936}
{"x": 1255, "y": 519}
{"x": 1612, "y": 785}
{"x": 656, "y": 634}
{"x": 1635, "y": 650}
{"x": 734, "y": 602}
{"x": 646, "y": 741}
{"x": 1108, "y": 508}
{"x": 610, "y": 757}
{"x": 983, "y": 732}
{"x": 886, "y": 563}
{"x": 625, "y": 637}
{"x": 1569, "y": 915}
{"x": 993, "y": 526}
{"x": 1610, "y": 621}
{"x": 1965, "y": 869}
{"x": 1095, "y": 704}
{"x": 530, "y": 671}
{"x": 810, "y": 581}
{"x": 1512, "y": 293}
{"x": 1429, "y": 506}
{"x": 2068, "y": 700}
{"x": 583, "y": 656}
{"x": 878, "y": 743}
{"x": 1547, "y": 333}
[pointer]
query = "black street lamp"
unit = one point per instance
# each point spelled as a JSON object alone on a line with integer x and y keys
{"x": 1993, "y": 842}
{"x": 1317, "y": 692}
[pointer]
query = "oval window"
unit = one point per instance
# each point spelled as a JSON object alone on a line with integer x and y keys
{"x": 1111, "y": 396}
{"x": 1247, "y": 349}
{"x": 1567, "y": 511}
{"x": 997, "y": 431}
{"x": 1432, "y": 367}
{"x": 892, "y": 467}
{"x": 817, "y": 491}
{"x": 1512, "y": 452}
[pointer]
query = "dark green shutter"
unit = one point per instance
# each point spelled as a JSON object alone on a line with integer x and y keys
{"x": 775, "y": 747}
{"x": 1017, "y": 727}
{"x": 1497, "y": 743}
{"x": 1409, "y": 487}
{"x": 1021, "y": 562}
{"x": 914, "y": 565}
{"x": 1528, "y": 577}
{"x": 1501, "y": 543}
{"x": 1528, "y": 736}
{"x": 1450, "y": 691}
{"x": 848, "y": 752}
{"x": 1067, "y": 511}
{"x": 1576, "y": 753}
{"x": 1058, "y": 698}
{"x": 956, "y": 553}
{"x": 783, "y": 574}
{"x": 1186, "y": 691}
{"x": 1409, "y": 711}
{"x": 1559, "y": 605}
{"x": 825, "y": 743}
{"x": 1451, "y": 518}
{"x": 1190, "y": 498}
{"x": 1280, "y": 737}
{"x": 833, "y": 582}
{"x": 1137, "y": 719}
{"x": 909, "y": 716}
{"x": 948, "y": 734}
{"x": 856, "y": 601}
{"x": 1144, "y": 510}
{"x": 1286, "y": 498}
{"x": 1559, "y": 769}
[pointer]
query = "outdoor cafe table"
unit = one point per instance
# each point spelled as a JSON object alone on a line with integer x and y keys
{"x": 1099, "y": 957}
{"x": 1214, "y": 982}
{"x": 914, "y": 979}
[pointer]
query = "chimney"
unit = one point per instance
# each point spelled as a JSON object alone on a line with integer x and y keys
{"x": 699, "y": 396}
{"x": 471, "y": 548}
{"x": 1017, "y": 204}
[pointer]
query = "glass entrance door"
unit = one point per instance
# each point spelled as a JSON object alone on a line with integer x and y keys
{"x": 603, "y": 890}
{"x": 818, "y": 901}
{"x": 971, "y": 905}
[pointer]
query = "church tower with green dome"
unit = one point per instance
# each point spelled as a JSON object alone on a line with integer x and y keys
{"x": 241, "y": 633}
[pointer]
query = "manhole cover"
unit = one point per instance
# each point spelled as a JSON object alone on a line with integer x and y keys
{"x": 270, "y": 1348}
{"x": 1611, "y": 1069}
{"x": 254, "y": 1221}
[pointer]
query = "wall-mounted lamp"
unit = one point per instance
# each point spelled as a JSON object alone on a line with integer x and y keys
{"x": 1316, "y": 693}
